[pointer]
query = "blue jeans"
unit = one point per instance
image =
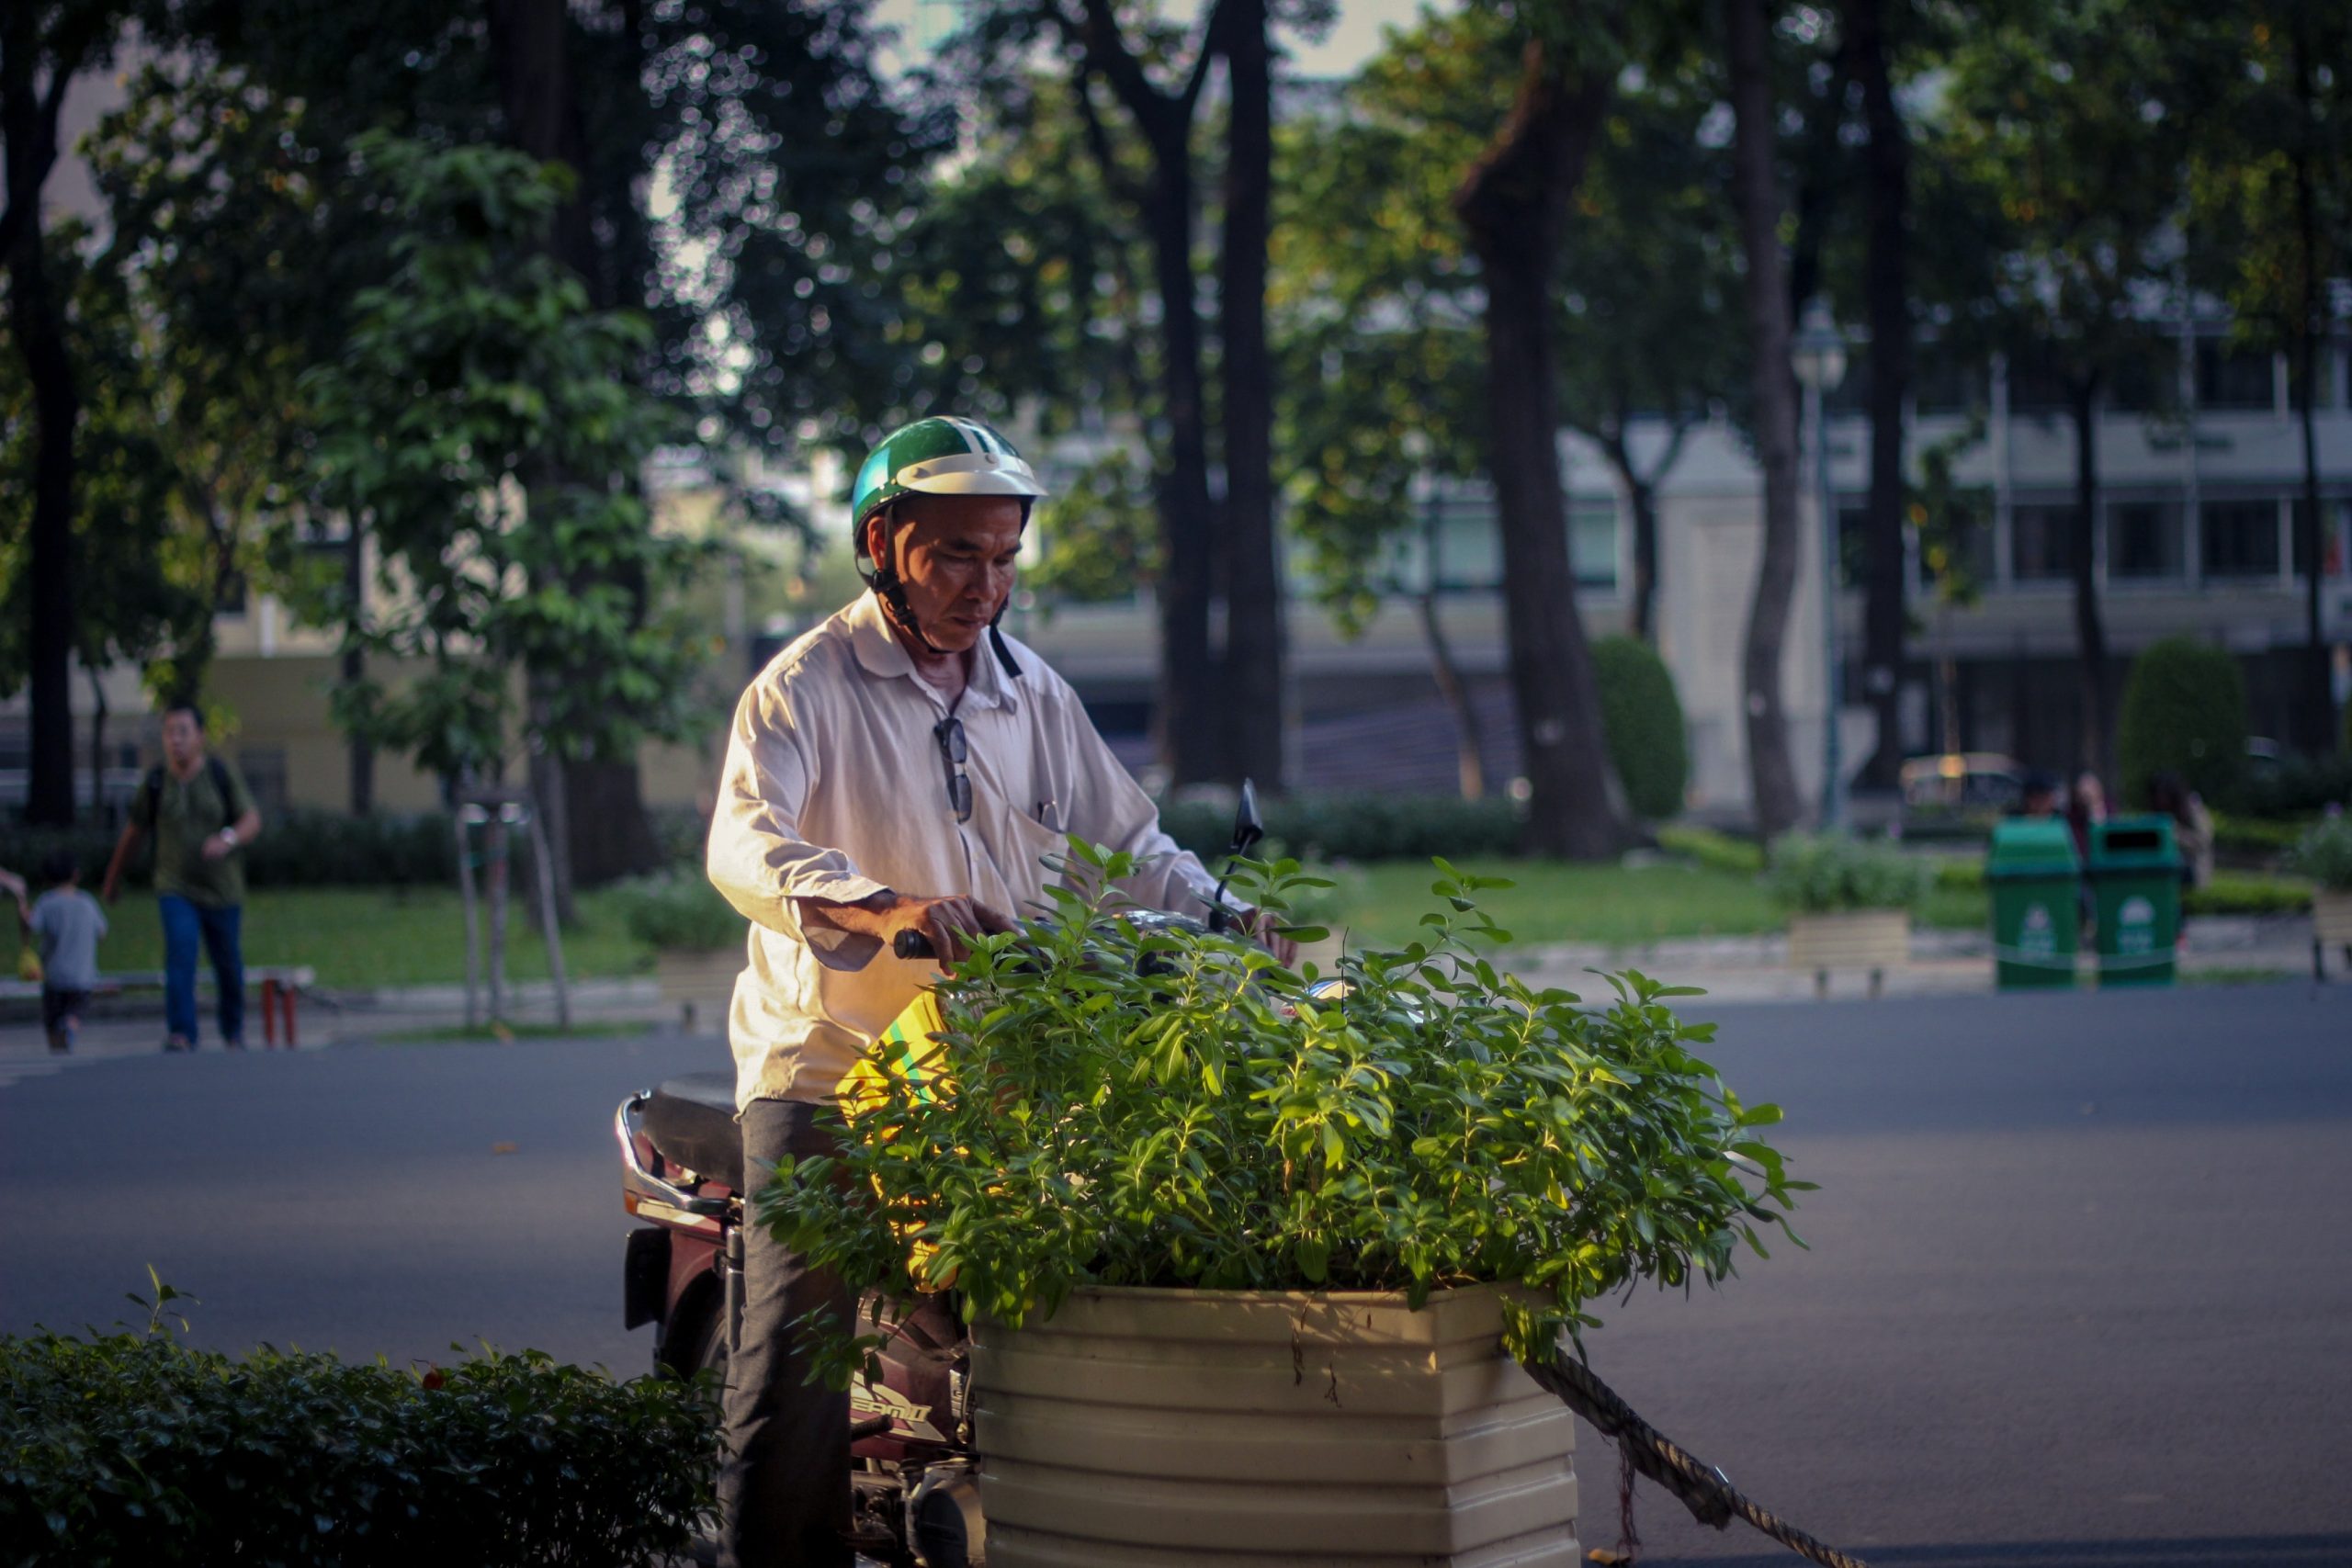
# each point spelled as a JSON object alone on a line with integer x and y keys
{"x": 218, "y": 924}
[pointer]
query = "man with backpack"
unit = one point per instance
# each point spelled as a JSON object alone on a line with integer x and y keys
{"x": 202, "y": 815}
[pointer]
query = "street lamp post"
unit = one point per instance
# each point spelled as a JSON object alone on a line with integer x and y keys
{"x": 1818, "y": 356}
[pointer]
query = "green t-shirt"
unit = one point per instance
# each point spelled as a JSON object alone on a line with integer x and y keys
{"x": 182, "y": 814}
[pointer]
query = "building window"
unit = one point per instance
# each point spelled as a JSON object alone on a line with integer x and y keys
{"x": 2233, "y": 379}
{"x": 2333, "y": 515}
{"x": 2325, "y": 362}
{"x": 2145, "y": 378}
{"x": 1853, "y": 545}
{"x": 2241, "y": 538}
{"x": 2143, "y": 540}
{"x": 1592, "y": 542}
{"x": 2041, "y": 543}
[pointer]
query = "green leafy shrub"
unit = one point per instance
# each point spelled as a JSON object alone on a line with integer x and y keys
{"x": 1169, "y": 1109}
{"x": 2297, "y": 785}
{"x": 1821, "y": 873}
{"x": 134, "y": 1447}
{"x": 1717, "y": 852}
{"x": 1642, "y": 718}
{"x": 1961, "y": 876}
{"x": 2324, "y": 855}
{"x": 1355, "y": 827}
{"x": 2247, "y": 893}
{"x": 679, "y": 911}
{"x": 2184, "y": 712}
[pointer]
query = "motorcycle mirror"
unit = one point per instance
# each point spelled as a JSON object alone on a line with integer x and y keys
{"x": 1248, "y": 827}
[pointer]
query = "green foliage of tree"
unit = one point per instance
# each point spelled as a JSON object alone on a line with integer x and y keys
{"x": 478, "y": 369}
{"x": 1164, "y": 1109}
{"x": 1643, "y": 718}
{"x": 2184, "y": 712}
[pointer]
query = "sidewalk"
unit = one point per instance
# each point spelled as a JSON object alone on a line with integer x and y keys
{"x": 1730, "y": 969}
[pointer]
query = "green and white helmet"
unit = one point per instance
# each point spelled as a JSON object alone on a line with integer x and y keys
{"x": 944, "y": 454}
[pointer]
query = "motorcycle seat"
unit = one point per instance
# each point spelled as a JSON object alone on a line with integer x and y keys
{"x": 691, "y": 1120}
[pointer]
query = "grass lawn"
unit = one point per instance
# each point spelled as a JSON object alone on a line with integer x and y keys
{"x": 369, "y": 937}
{"x": 1552, "y": 901}
{"x": 364, "y": 937}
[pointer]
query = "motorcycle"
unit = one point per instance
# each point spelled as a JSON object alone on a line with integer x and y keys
{"x": 913, "y": 1475}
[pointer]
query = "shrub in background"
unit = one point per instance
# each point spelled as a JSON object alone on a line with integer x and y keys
{"x": 1826, "y": 874}
{"x": 1642, "y": 717}
{"x": 680, "y": 911}
{"x": 302, "y": 846}
{"x": 1355, "y": 827}
{"x": 2185, "y": 712}
{"x": 2298, "y": 785}
{"x": 2324, "y": 855}
{"x": 134, "y": 1447}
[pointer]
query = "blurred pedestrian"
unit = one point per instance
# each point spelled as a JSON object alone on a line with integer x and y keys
{"x": 2192, "y": 826}
{"x": 203, "y": 816}
{"x": 2038, "y": 794}
{"x": 2085, "y": 803}
{"x": 64, "y": 923}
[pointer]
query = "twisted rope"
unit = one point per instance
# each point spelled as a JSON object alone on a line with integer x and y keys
{"x": 1703, "y": 1488}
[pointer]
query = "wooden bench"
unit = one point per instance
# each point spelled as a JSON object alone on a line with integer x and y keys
{"x": 281, "y": 986}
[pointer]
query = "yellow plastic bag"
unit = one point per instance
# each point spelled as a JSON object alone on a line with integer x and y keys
{"x": 28, "y": 965}
{"x": 909, "y": 1051}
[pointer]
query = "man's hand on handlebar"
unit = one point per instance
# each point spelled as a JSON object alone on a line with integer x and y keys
{"x": 913, "y": 927}
{"x": 1259, "y": 927}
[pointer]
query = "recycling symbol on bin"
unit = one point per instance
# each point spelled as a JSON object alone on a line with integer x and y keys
{"x": 2137, "y": 912}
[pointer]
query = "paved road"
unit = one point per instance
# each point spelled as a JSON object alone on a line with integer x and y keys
{"x": 2079, "y": 1292}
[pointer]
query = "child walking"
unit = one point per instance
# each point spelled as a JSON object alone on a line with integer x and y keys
{"x": 66, "y": 924}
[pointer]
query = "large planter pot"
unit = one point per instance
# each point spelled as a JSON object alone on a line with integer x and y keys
{"x": 1872, "y": 939}
{"x": 701, "y": 985}
{"x": 2331, "y": 925}
{"x": 1148, "y": 1427}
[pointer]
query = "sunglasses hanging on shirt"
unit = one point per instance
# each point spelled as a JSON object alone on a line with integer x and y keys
{"x": 949, "y": 733}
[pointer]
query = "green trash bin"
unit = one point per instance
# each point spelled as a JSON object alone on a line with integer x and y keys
{"x": 2135, "y": 891}
{"x": 2036, "y": 883}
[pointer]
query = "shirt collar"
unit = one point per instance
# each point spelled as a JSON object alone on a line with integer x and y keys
{"x": 878, "y": 649}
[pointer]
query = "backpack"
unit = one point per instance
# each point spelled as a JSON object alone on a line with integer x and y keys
{"x": 151, "y": 790}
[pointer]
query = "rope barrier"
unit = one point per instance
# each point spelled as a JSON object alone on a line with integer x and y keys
{"x": 1703, "y": 1488}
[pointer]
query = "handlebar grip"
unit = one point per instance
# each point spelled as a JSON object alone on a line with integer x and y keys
{"x": 913, "y": 944}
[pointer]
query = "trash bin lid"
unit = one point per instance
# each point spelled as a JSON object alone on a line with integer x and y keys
{"x": 2134, "y": 843}
{"x": 2031, "y": 846}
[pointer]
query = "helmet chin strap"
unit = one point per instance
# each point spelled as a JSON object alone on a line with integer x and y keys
{"x": 891, "y": 589}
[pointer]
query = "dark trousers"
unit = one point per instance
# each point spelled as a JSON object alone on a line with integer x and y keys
{"x": 220, "y": 928}
{"x": 784, "y": 1492}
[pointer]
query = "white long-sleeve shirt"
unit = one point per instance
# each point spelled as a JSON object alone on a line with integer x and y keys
{"x": 835, "y": 788}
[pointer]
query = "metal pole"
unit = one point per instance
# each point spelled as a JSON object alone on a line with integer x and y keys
{"x": 1833, "y": 794}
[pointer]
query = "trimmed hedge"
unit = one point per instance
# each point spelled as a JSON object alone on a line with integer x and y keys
{"x": 135, "y": 1448}
{"x": 1355, "y": 827}
{"x": 1717, "y": 852}
{"x": 1642, "y": 717}
{"x": 301, "y": 848}
{"x": 2184, "y": 712}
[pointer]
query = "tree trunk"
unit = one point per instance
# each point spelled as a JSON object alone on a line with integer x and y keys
{"x": 1513, "y": 204}
{"x": 98, "y": 745}
{"x": 1254, "y": 643}
{"x": 1772, "y": 779}
{"x": 36, "y": 319}
{"x": 2315, "y": 730}
{"x": 2090, "y": 630}
{"x": 1190, "y": 729}
{"x": 1469, "y": 742}
{"x": 598, "y": 827}
{"x": 355, "y": 666}
{"x": 1887, "y": 304}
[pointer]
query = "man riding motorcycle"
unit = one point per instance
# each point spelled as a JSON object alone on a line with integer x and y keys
{"x": 884, "y": 775}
